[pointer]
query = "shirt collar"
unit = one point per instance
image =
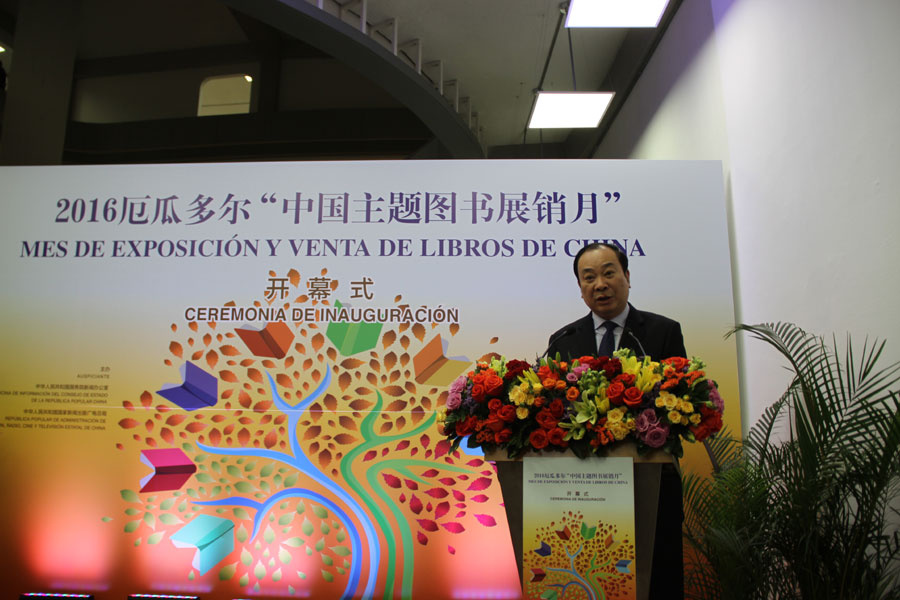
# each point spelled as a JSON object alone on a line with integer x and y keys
{"x": 619, "y": 319}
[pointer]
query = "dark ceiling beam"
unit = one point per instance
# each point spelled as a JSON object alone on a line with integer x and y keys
{"x": 632, "y": 58}
{"x": 191, "y": 58}
{"x": 305, "y": 22}
{"x": 344, "y": 133}
{"x": 267, "y": 41}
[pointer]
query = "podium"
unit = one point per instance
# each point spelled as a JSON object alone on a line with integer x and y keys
{"x": 647, "y": 475}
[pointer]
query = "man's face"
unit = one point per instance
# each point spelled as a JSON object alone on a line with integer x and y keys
{"x": 604, "y": 286}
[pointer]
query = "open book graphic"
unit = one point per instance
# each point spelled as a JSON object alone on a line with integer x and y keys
{"x": 273, "y": 340}
{"x": 213, "y": 537}
{"x": 171, "y": 469}
{"x": 433, "y": 368}
{"x": 198, "y": 390}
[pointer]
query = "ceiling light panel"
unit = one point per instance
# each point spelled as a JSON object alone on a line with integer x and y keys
{"x": 615, "y": 13}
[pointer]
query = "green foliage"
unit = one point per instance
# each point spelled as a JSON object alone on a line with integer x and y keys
{"x": 812, "y": 512}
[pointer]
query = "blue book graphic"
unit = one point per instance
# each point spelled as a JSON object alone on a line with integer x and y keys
{"x": 198, "y": 390}
{"x": 213, "y": 537}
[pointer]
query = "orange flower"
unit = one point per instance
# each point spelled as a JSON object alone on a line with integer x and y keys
{"x": 572, "y": 394}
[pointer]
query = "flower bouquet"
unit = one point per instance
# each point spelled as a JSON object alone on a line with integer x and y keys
{"x": 585, "y": 405}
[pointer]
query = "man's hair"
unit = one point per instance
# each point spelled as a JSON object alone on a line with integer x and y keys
{"x": 623, "y": 260}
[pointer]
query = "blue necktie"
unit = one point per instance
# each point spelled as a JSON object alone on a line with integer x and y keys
{"x": 608, "y": 343}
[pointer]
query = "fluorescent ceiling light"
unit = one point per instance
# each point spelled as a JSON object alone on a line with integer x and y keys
{"x": 615, "y": 13}
{"x": 566, "y": 110}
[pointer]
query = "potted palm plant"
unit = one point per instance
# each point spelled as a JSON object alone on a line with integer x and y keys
{"x": 807, "y": 506}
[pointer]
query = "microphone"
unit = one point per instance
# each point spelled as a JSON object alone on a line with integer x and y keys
{"x": 565, "y": 332}
{"x": 634, "y": 337}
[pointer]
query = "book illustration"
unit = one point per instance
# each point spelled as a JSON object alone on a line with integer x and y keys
{"x": 171, "y": 469}
{"x": 198, "y": 389}
{"x": 352, "y": 338}
{"x": 272, "y": 341}
{"x": 432, "y": 367}
{"x": 213, "y": 537}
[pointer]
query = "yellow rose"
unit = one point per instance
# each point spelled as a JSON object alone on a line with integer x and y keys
{"x": 674, "y": 417}
{"x": 522, "y": 412}
{"x": 441, "y": 415}
{"x": 695, "y": 418}
{"x": 614, "y": 416}
{"x": 685, "y": 406}
{"x": 619, "y": 431}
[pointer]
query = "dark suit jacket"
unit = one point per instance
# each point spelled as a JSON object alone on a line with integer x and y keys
{"x": 645, "y": 333}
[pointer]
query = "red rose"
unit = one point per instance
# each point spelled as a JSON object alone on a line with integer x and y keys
{"x": 493, "y": 385}
{"x": 514, "y": 368}
{"x": 507, "y": 412}
{"x": 466, "y": 426}
{"x": 633, "y": 396}
{"x": 614, "y": 392}
{"x": 613, "y": 367}
{"x": 494, "y": 423}
{"x": 556, "y": 436}
{"x": 494, "y": 404}
{"x": 709, "y": 424}
{"x": 502, "y": 436}
{"x": 557, "y": 408}
{"x": 546, "y": 419}
{"x": 538, "y": 439}
{"x": 679, "y": 363}
{"x": 478, "y": 379}
{"x": 478, "y": 392}
{"x": 626, "y": 378}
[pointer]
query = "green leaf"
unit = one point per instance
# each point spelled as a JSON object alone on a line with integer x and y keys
{"x": 233, "y": 471}
{"x": 301, "y": 507}
{"x": 167, "y": 504}
{"x": 290, "y": 480}
{"x": 327, "y": 560}
{"x": 341, "y": 550}
{"x": 106, "y": 519}
{"x": 301, "y": 574}
{"x": 227, "y": 572}
{"x": 149, "y": 519}
{"x": 286, "y": 518}
{"x": 267, "y": 470}
{"x": 130, "y": 496}
{"x": 246, "y": 557}
{"x": 323, "y": 526}
{"x": 320, "y": 545}
{"x": 307, "y": 527}
{"x": 156, "y": 537}
{"x": 131, "y": 511}
{"x": 269, "y": 535}
{"x": 240, "y": 513}
{"x": 242, "y": 534}
{"x": 132, "y": 526}
{"x": 250, "y": 466}
{"x": 327, "y": 576}
{"x": 276, "y": 576}
{"x": 259, "y": 571}
{"x": 244, "y": 581}
{"x": 243, "y": 487}
{"x": 284, "y": 556}
{"x": 294, "y": 542}
{"x": 320, "y": 511}
{"x": 169, "y": 519}
{"x": 204, "y": 478}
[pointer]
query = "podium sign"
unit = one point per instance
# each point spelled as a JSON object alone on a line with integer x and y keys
{"x": 578, "y": 527}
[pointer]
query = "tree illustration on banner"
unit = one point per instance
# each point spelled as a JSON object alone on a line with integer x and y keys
{"x": 282, "y": 460}
{"x": 571, "y": 558}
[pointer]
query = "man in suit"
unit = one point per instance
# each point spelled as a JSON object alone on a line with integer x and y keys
{"x": 602, "y": 273}
{"x": 604, "y": 279}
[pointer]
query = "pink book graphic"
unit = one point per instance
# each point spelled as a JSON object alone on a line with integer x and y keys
{"x": 273, "y": 340}
{"x": 171, "y": 469}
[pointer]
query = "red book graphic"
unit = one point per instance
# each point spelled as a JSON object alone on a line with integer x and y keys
{"x": 274, "y": 340}
{"x": 433, "y": 368}
{"x": 171, "y": 469}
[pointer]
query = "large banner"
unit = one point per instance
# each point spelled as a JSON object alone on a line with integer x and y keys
{"x": 224, "y": 379}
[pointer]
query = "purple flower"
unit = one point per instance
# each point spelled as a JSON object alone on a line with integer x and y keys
{"x": 656, "y": 436}
{"x": 646, "y": 420}
{"x": 454, "y": 400}
{"x": 571, "y": 377}
{"x": 459, "y": 384}
{"x": 715, "y": 397}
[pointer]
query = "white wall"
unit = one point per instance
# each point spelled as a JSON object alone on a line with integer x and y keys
{"x": 799, "y": 101}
